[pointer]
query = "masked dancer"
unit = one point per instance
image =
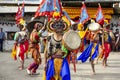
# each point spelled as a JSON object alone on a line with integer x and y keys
{"x": 92, "y": 50}
{"x": 56, "y": 65}
{"x": 19, "y": 44}
{"x": 34, "y": 48}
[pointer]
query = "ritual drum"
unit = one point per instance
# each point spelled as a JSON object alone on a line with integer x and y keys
{"x": 94, "y": 26}
{"x": 71, "y": 40}
{"x": 112, "y": 35}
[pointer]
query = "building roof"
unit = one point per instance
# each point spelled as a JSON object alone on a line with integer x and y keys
{"x": 10, "y": 6}
{"x": 13, "y": 9}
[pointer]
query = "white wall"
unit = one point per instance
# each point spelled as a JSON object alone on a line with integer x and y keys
{"x": 8, "y": 44}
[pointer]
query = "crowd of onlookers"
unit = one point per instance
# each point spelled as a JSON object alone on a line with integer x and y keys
{"x": 115, "y": 45}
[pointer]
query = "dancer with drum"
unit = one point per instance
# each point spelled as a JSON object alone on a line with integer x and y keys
{"x": 92, "y": 50}
{"x": 56, "y": 64}
{"x": 95, "y": 38}
{"x": 73, "y": 52}
{"x": 34, "y": 48}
